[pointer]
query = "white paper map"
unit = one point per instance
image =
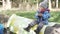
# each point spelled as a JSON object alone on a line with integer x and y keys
{"x": 17, "y": 23}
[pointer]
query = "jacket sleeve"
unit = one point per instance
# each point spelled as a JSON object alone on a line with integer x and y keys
{"x": 46, "y": 15}
{"x": 36, "y": 15}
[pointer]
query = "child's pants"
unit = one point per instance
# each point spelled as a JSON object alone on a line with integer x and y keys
{"x": 35, "y": 22}
{"x": 40, "y": 24}
{"x": 39, "y": 27}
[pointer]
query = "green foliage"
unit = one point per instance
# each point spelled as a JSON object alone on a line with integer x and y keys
{"x": 26, "y": 14}
{"x": 55, "y": 17}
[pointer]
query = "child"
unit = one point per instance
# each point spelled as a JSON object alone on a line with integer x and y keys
{"x": 3, "y": 21}
{"x": 42, "y": 17}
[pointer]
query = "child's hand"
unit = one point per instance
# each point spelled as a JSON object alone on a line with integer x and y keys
{"x": 40, "y": 14}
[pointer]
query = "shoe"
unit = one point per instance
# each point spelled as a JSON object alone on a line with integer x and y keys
{"x": 27, "y": 29}
{"x": 37, "y": 32}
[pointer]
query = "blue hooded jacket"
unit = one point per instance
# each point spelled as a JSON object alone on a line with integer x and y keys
{"x": 1, "y": 28}
{"x": 45, "y": 17}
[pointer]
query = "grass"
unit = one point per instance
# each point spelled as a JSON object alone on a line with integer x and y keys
{"x": 55, "y": 16}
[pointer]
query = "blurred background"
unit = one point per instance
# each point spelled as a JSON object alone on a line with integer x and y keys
{"x": 26, "y": 4}
{"x": 27, "y": 8}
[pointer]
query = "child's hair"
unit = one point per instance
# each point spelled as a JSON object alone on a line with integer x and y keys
{"x": 3, "y": 18}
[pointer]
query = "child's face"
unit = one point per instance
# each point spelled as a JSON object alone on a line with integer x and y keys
{"x": 41, "y": 8}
